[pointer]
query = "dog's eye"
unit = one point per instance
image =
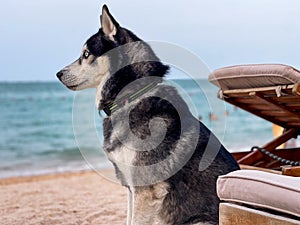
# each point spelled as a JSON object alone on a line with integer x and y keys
{"x": 86, "y": 54}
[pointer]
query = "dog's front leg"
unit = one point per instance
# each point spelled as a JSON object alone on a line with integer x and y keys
{"x": 147, "y": 203}
{"x": 142, "y": 212}
{"x": 129, "y": 206}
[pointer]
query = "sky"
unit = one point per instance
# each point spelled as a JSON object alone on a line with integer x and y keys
{"x": 39, "y": 37}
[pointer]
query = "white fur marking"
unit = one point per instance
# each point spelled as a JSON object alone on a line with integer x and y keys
{"x": 122, "y": 155}
{"x": 86, "y": 75}
{"x": 100, "y": 88}
{"x": 147, "y": 204}
{"x": 129, "y": 207}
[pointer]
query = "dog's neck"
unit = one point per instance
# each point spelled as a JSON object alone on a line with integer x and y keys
{"x": 128, "y": 97}
{"x": 129, "y": 63}
{"x": 99, "y": 89}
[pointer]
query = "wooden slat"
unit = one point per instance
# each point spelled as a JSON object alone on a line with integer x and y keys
{"x": 286, "y": 99}
{"x": 272, "y": 114}
{"x": 297, "y": 108}
{"x": 294, "y": 104}
{"x": 246, "y": 167}
{"x": 257, "y": 113}
{"x": 249, "y": 100}
{"x": 276, "y": 113}
{"x": 283, "y": 108}
{"x": 286, "y": 119}
{"x": 233, "y": 214}
{"x": 262, "y": 107}
{"x": 293, "y": 124}
{"x": 292, "y": 153}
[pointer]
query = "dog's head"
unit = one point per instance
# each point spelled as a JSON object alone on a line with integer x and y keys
{"x": 110, "y": 71}
{"x": 93, "y": 64}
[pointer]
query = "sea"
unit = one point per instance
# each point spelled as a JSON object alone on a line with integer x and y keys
{"x": 41, "y": 134}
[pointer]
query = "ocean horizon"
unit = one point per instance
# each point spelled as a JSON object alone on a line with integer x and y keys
{"x": 38, "y": 132}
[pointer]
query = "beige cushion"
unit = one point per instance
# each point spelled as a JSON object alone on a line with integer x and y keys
{"x": 261, "y": 189}
{"x": 254, "y": 76}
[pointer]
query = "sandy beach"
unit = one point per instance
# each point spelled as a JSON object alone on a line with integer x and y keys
{"x": 69, "y": 198}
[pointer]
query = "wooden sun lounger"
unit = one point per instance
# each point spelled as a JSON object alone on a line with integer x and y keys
{"x": 270, "y": 91}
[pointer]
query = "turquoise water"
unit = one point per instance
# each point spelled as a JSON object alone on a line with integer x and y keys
{"x": 37, "y": 130}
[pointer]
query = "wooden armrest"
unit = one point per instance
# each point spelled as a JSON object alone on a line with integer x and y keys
{"x": 293, "y": 171}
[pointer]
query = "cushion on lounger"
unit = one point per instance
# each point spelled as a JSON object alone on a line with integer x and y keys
{"x": 254, "y": 76}
{"x": 261, "y": 189}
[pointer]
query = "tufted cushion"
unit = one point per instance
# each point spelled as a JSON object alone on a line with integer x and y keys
{"x": 254, "y": 76}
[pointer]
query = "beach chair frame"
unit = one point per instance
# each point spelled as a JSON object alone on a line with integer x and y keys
{"x": 278, "y": 104}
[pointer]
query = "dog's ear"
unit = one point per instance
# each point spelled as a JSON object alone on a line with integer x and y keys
{"x": 108, "y": 23}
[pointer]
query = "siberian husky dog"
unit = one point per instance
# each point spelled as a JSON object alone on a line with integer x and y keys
{"x": 150, "y": 136}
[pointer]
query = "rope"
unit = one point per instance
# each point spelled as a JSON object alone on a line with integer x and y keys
{"x": 275, "y": 157}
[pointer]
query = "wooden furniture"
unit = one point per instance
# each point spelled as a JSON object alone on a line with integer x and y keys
{"x": 252, "y": 197}
{"x": 270, "y": 91}
{"x": 257, "y": 194}
{"x": 234, "y": 214}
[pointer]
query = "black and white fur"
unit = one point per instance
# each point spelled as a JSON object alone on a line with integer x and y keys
{"x": 186, "y": 197}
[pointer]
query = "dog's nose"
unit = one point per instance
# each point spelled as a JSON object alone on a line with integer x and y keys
{"x": 59, "y": 74}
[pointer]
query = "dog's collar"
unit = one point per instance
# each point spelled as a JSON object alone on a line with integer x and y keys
{"x": 120, "y": 102}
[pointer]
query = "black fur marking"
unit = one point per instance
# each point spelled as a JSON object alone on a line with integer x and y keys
{"x": 139, "y": 118}
{"x": 98, "y": 44}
